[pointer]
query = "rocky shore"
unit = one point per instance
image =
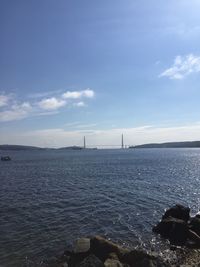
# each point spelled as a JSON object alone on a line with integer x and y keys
{"x": 176, "y": 225}
{"x": 99, "y": 252}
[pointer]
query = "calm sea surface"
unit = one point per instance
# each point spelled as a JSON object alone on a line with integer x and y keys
{"x": 50, "y": 198}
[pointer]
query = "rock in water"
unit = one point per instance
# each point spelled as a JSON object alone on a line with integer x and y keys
{"x": 101, "y": 247}
{"x": 177, "y": 226}
{"x": 140, "y": 258}
{"x": 91, "y": 261}
{"x": 80, "y": 251}
{"x": 194, "y": 225}
{"x": 175, "y": 230}
{"x": 178, "y": 212}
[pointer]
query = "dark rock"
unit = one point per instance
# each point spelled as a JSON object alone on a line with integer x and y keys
{"x": 198, "y": 215}
{"x": 101, "y": 247}
{"x": 76, "y": 258}
{"x": 64, "y": 264}
{"x": 140, "y": 258}
{"x": 173, "y": 248}
{"x": 194, "y": 225}
{"x": 65, "y": 256}
{"x": 113, "y": 256}
{"x": 91, "y": 261}
{"x": 175, "y": 230}
{"x": 193, "y": 239}
{"x": 80, "y": 251}
{"x": 178, "y": 212}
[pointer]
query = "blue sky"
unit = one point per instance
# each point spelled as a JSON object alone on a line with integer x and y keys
{"x": 99, "y": 68}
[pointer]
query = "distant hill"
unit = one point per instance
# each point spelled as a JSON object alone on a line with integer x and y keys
{"x": 170, "y": 145}
{"x": 19, "y": 147}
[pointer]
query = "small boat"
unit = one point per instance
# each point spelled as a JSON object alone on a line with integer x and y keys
{"x": 5, "y": 158}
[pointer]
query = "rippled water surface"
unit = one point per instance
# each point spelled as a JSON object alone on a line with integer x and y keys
{"x": 49, "y": 198}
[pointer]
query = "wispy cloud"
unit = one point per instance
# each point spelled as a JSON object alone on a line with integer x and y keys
{"x": 71, "y": 124}
{"x": 13, "y": 109}
{"x": 46, "y": 113}
{"x": 51, "y": 103}
{"x": 88, "y": 93}
{"x": 45, "y": 94}
{"x": 182, "y": 67}
{"x": 80, "y": 104}
{"x": 83, "y": 126}
{"x": 4, "y": 99}
{"x": 16, "y": 112}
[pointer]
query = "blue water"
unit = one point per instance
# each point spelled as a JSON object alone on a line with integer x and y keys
{"x": 50, "y": 198}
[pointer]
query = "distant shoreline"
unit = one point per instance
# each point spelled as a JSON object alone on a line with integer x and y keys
{"x": 34, "y": 148}
{"x": 186, "y": 144}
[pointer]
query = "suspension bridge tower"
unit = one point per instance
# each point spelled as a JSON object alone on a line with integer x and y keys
{"x": 122, "y": 146}
{"x": 84, "y": 143}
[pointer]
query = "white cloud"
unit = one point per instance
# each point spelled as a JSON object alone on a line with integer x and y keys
{"x": 80, "y": 104}
{"x": 11, "y": 115}
{"x": 88, "y": 93}
{"x": 13, "y": 109}
{"x": 183, "y": 66}
{"x": 25, "y": 106}
{"x": 51, "y": 103}
{"x": 4, "y": 100}
{"x": 16, "y": 112}
{"x": 71, "y": 95}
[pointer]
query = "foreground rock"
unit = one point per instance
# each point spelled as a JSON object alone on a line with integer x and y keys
{"x": 104, "y": 253}
{"x": 194, "y": 224}
{"x": 175, "y": 230}
{"x": 91, "y": 261}
{"x": 179, "y": 228}
{"x": 178, "y": 212}
{"x": 103, "y": 248}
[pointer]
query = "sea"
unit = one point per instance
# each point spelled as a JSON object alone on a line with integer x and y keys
{"x": 49, "y": 198}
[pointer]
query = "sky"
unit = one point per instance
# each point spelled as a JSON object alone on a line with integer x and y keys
{"x": 70, "y": 69}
